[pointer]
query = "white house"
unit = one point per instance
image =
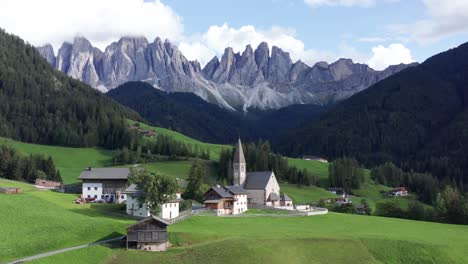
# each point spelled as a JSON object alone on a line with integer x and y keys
{"x": 226, "y": 200}
{"x": 169, "y": 210}
{"x": 105, "y": 184}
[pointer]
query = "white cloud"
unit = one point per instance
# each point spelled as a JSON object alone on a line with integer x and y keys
{"x": 217, "y": 38}
{"x": 385, "y": 56}
{"x": 346, "y": 3}
{"x": 446, "y": 18}
{"x": 102, "y": 21}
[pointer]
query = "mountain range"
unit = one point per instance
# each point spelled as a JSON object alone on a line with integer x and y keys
{"x": 259, "y": 79}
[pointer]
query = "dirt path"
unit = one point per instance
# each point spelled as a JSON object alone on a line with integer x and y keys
{"x": 47, "y": 254}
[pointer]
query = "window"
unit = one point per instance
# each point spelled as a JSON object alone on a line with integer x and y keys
{"x": 89, "y": 196}
{"x": 95, "y": 196}
{"x": 95, "y": 188}
{"x": 102, "y": 196}
{"x": 89, "y": 188}
{"x": 122, "y": 197}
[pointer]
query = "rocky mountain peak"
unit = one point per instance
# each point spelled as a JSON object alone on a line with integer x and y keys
{"x": 47, "y": 51}
{"x": 250, "y": 79}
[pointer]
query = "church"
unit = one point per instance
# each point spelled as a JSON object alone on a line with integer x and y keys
{"x": 261, "y": 187}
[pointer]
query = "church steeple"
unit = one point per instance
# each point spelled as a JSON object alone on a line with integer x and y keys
{"x": 239, "y": 165}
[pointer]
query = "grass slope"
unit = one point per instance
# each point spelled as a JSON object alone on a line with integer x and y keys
{"x": 40, "y": 221}
{"x": 215, "y": 149}
{"x": 305, "y": 194}
{"x": 332, "y": 238}
{"x": 70, "y": 161}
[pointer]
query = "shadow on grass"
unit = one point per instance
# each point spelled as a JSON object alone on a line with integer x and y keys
{"x": 118, "y": 243}
{"x": 113, "y": 211}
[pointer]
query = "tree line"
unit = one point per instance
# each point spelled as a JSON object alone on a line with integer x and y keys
{"x": 17, "y": 167}
{"x": 164, "y": 147}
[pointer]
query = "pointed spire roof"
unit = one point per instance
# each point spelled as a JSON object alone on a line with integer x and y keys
{"x": 239, "y": 155}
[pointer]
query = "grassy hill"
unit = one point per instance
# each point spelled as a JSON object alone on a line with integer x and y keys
{"x": 332, "y": 238}
{"x": 70, "y": 161}
{"x": 39, "y": 221}
{"x": 215, "y": 149}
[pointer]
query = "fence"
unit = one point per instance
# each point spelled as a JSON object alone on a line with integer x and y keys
{"x": 186, "y": 214}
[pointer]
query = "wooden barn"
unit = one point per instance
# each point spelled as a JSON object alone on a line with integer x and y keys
{"x": 149, "y": 234}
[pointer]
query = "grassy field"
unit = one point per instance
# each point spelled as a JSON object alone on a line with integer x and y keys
{"x": 318, "y": 168}
{"x": 215, "y": 149}
{"x": 305, "y": 194}
{"x": 70, "y": 161}
{"x": 332, "y": 238}
{"x": 39, "y": 221}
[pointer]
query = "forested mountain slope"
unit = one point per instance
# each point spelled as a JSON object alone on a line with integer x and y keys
{"x": 417, "y": 118}
{"x": 41, "y": 105}
{"x": 191, "y": 115}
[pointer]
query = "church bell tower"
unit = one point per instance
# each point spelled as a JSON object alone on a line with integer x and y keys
{"x": 239, "y": 165}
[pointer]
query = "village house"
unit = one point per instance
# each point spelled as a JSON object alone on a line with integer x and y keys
{"x": 105, "y": 184}
{"x": 338, "y": 191}
{"x": 261, "y": 187}
{"x": 149, "y": 234}
{"x": 134, "y": 207}
{"x": 398, "y": 191}
{"x": 316, "y": 158}
{"x": 224, "y": 200}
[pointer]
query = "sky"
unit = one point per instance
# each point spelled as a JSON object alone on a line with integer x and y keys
{"x": 376, "y": 32}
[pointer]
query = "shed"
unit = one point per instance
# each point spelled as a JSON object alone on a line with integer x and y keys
{"x": 149, "y": 234}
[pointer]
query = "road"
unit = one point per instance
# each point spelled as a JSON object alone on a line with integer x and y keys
{"x": 47, "y": 254}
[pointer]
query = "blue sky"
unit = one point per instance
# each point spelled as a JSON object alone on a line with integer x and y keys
{"x": 376, "y": 32}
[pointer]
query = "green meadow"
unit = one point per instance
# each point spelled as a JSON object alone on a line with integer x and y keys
{"x": 332, "y": 238}
{"x": 39, "y": 221}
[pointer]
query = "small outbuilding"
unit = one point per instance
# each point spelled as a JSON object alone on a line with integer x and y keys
{"x": 149, "y": 234}
{"x": 48, "y": 183}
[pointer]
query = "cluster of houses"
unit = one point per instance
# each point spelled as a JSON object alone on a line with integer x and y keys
{"x": 145, "y": 132}
{"x": 397, "y": 192}
{"x": 315, "y": 158}
{"x": 111, "y": 185}
{"x": 258, "y": 188}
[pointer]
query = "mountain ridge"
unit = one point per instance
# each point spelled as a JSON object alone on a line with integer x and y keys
{"x": 253, "y": 79}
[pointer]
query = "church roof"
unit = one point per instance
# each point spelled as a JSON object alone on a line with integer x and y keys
{"x": 285, "y": 197}
{"x": 273, "y": 197}
{"x": 257, "y": 180}
{"x": 235, "y": 189}
{"x": 239, "y": 155}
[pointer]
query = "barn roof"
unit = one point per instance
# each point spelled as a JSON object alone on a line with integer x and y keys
{"x": 257, "y": 180}
{"x": 239, "y": 155}
{"x": 105, "y": 174}
{"x": 150, "y": 218}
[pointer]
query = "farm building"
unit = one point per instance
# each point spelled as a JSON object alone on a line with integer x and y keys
{"x": 398, "y": 191}
{"x": 150, "y": 234}
{"x": 48, "y": 183}
{"x": 169, "y": 210}
{"x": 105, "y": 184}
{"x": 11, "y": 190}
{"x": 224, "y": 200}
